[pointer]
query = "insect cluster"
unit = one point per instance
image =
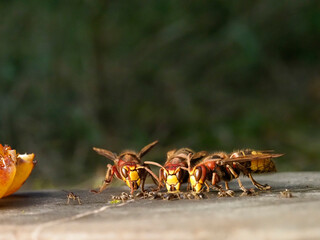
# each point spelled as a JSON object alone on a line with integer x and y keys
{"x": 200, "y": 170}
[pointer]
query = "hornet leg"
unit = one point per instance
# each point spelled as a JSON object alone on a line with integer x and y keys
{"x": 222, "y": 192}
{"x": 254, "y": 182}
{"x": 241, "y": 186}
{"x": 107, "y": 180}
{"x": 207, "y": 185}
{"x": 237, "y": 177}
{"x": 143, "y": 179}
{"x": 258, "y": 185}
{"x": 227, "y": 185}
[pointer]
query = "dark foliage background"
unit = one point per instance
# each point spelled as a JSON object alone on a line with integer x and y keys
{"x": 210, "y": 75}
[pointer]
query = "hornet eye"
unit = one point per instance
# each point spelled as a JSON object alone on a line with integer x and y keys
{"x": 165, "y": 175}
{"x": 179, "y": 175}
{"x": 197, "y": 174}
{"x": 124, "y": 172}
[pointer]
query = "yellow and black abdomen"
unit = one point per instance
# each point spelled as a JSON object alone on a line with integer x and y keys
{"x": 262, "y": 166}
{"x": 261, "y": 162}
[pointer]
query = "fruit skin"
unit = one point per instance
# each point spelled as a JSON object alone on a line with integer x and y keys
{"x": 14, "y": 169}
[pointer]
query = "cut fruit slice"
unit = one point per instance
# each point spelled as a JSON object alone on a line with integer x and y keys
{"x": 25, "y": 164}
{"x": 7, "y": 173}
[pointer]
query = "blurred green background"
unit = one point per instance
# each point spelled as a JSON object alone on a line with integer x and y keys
{"x": 210, "y": 75}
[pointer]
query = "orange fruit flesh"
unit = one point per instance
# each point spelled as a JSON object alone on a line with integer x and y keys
{"x": 7, "y": 174}
{"x": 24, "y": 167}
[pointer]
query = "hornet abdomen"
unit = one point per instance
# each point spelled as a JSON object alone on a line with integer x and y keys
{"x": 262, "y": 166}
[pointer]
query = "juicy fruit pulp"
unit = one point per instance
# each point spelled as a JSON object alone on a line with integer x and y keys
{"x": 14, "y": 170}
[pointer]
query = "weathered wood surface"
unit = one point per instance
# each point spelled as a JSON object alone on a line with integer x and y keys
{"x": 45, "y": 214}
